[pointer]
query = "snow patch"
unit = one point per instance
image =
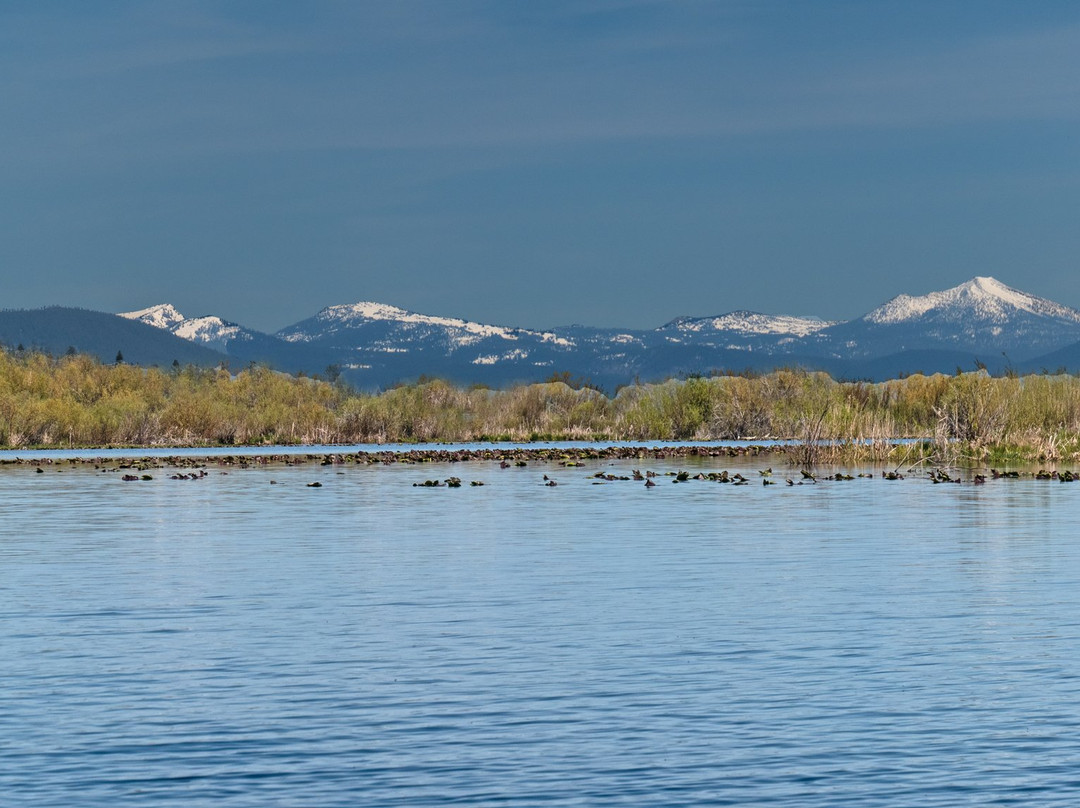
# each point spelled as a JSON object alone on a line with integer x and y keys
{"x": 459, "y": 333}
{"x": 751, "y": 322}
{"x": 357, "y": 313}
{"x": 206, "y": 330}
{"x": 547, "y": 336}
{"x": 209, "y": 331}
{"x": 491, "y": 359}
{"x": 163, "y": 316}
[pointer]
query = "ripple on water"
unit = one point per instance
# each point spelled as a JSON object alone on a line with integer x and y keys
{"x": 228, "y": 642}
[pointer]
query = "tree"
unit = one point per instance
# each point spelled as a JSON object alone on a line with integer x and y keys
{"x": 119, "y": 357}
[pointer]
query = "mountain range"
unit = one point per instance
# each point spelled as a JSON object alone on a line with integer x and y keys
{"x": 981, "y": 323}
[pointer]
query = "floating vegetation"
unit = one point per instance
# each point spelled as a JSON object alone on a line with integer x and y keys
{"x": 188, "y": 468}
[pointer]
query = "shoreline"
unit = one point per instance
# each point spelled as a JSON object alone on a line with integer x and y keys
{"x": 793, "y": 455}
{"x": 390, "y": 456}
{"x": 896, "y": 454}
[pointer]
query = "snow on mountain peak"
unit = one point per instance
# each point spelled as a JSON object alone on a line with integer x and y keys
{"x": 408, "y": 325}
{"x": 356, "y": 313}
{"x": 751, "y": 322}
{"x": 980, "y": 298}
{"x": 364, "y": 310}
{"x": 164, "y": 315}
{"x": 210, "y": 331}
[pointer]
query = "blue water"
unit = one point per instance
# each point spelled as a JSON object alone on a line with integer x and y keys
{"x": 231, "y": 642}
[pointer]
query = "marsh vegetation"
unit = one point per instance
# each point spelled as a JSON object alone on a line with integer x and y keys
{"x": 76, "y": 401}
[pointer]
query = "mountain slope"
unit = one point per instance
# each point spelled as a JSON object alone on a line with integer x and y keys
{"x": 213, "y": 332}
{"x": 980, "y": 322}
{"x": 243, "y": 345}
{"x": 337, "y": 324}
{"x": 982, "y": 315}
{"x": 57, "y": 329}
{"x": 748, "y": 322}
{"x": 982, "y": 299}
{"x": 375, "y": 344}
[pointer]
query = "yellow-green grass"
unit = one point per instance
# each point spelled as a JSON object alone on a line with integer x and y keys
{"x": 75, "y": 401}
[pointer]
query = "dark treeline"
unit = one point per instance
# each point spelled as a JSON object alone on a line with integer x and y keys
{"x": 75, "y": 401}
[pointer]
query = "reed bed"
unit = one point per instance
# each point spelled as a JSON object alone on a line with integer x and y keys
{"x": 75, "y": 401}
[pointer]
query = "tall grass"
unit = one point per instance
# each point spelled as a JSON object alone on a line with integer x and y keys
{"x": 77, "y": 401}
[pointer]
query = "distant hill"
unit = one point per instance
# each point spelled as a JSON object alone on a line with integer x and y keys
{"x": 982, "y": 317}
{"x": 370, "y": 345}
{"x": 1067, "y": 358}
{"x": 242, "y": 345}
{"x": 56, "y": 329}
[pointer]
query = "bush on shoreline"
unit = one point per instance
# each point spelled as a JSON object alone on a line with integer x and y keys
{"x": 75, "y": 401}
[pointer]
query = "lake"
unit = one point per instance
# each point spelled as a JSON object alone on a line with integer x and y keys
{"x": 243, "y": 639}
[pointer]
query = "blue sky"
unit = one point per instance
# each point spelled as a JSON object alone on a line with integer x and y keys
{"x": 610, "y": 162}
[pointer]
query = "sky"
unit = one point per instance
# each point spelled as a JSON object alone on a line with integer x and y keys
{"x": 606, "y": 162}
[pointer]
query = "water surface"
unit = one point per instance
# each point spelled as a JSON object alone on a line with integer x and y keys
{"x": 231, "y": 642}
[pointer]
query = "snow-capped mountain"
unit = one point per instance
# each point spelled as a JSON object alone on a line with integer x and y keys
{"x": 749, "y": 322}
{"x": 164, "y": 315}
{"x": 981, "y": 315}
{"x": 213, "y": 332}
{"x": 374, "y": 339}
{"x": 59, "y": 330}
{"x": 980, "y": 300}
{"x": 743, "y": 331}
{"x": 336, "y": 320}
{"x": 242, "y": 345}
{"x": 372, "y": 344}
